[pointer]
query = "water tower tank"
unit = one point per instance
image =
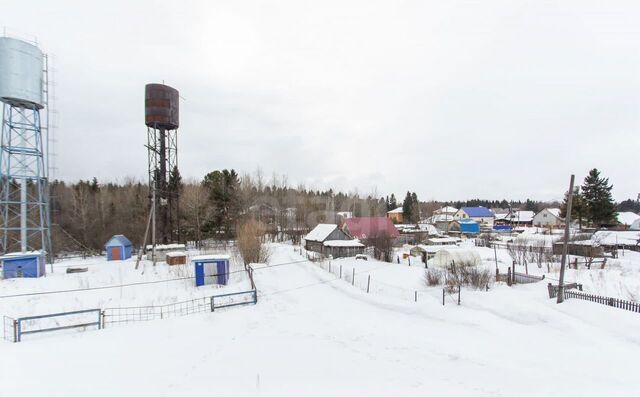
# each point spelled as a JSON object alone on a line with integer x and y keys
{"x": 20, "y": 73}
{"x": 161, "y": 106}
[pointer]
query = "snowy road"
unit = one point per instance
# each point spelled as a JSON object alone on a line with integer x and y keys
{"x": 313, "y": 335}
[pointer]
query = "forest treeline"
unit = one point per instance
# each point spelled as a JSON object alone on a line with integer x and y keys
{"x": 86, "y": 213}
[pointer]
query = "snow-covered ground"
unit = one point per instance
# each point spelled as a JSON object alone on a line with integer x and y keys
{"x": 313, "y": 334}
{"x": 152, "y": 285}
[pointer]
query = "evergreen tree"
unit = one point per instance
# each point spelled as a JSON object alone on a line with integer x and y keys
{"x": 578, "y": 210}
{"x": 596, "y": 190}
{"x": 224, "y": 196}
{"x": 393, "y": 203}
{"x": 629, "y": 205}
{"x": 407, "y": 208}
{"x": 415, "y": 209}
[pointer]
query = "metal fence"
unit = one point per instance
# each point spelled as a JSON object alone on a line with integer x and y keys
{"x": 15, "y": 329}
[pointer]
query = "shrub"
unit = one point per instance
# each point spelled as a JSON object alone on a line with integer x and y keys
{"x": 250, "y": 245}
{"x": 433, "y": 277}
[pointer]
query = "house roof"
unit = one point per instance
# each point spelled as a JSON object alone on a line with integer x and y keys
{"x": 118, "y": 239}
{"x": 370, "y": 227}
{"x": 343, "y": 243}
{"x": 554, "y": 211}
{"x": 446, "y": 210}
{"x": 321, "y": 232}
{"x": 478, "y": 212}
{"x": 627, "y": 218}
{"x": 522, "y": 216}
{"x": 396, "y": 211}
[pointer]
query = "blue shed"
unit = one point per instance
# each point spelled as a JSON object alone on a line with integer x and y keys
{"x": 468, "y": 226}
{"x": 28, "y": 264}
{"x": 211, "y": 269}
{"x": 118, "y": 248}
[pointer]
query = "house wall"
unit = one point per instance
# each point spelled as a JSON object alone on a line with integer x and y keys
{"x": 396, "y": 217}
{"x": 549, "y": 220}
{"x": 343, "y": 252}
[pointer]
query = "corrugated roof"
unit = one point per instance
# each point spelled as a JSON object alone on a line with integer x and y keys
{"x": 478, "y": 212}
{"x": 367, "y": 227}
{"x": 321, "y": 232}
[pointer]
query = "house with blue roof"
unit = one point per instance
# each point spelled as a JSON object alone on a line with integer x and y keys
{"x": 483, "y": 216}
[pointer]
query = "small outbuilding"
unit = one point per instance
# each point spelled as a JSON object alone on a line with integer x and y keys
{"x": 458, "y": 257}
{"x": 176, "y": 258}
{"x": 465, "y": 226}
{"x": 23, "y": 264}
{"x": 342, "y": 248}
{"x": 118, "y": 248}
{"x": 211, "y": 269}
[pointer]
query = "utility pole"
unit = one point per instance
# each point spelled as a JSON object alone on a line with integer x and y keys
{"x": 565, "y": 246}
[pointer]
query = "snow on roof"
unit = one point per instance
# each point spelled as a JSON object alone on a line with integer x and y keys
{"x": 627, "y": 218}
{"x": 164, "y": 247}
{"x": 430, "y": 229}
{"x": 478, "y": 211}
{"x": 321, "y": 232}
{"x": 554, "y": 211}
{"x": 210, "y": 257}
{"x": 446, "y": 210}
{"x": 22, "y": 254}
{"x": 523, "y": 216}
{"x": 440, "y": 218}
{"x": 443, "y": 240}
{"x": 343, "y": 243}
{"x": 606, "y": 237}
{"x": 175, "y": 254}
{"x": 395, "y": 211}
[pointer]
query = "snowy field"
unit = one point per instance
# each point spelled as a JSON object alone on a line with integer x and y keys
{"x": 145, "y": 286}
{"x": 313, "y": 334}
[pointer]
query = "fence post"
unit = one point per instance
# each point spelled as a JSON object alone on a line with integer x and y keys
{"x": 353, "y": 276}
{"x": 255, "y": 297}
{"x": 459, "y": 288}
{"x": 18, "y": 334}
{"x": 509, "y": 281}
{"x": 443, "y": 297}
{"x": 340, "y": 271}
{"x": 368, "y": 283}
{"x": 100, "y": 319}
{"x": 15, "y": 331}
{"x": 415, "y": 295}
{"x": 212, "y": 305}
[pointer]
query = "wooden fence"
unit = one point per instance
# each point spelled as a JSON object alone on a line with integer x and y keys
{"x": 604, "y": 300}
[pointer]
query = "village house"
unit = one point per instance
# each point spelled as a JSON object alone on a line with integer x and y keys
{"x": 396, "y": 215}
{"x": 483, "y": 216}
{"x": 329, "y": 239}
{"x": 370, "y": 227}
{"x": 548, "y": 217}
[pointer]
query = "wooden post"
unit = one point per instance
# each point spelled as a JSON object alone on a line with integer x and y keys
{"x": 368, "y": 283}
{"x": 459, "y": 288}
{"x": 565, "y": 246}
{"x": 509, "y": 276}
{"x": 495, "y": 256}
{"x": 415, "y": 295}
{"x": 443, "y": 297}
{"x": 340, "y": 271}
{"x": 353, "y": 276}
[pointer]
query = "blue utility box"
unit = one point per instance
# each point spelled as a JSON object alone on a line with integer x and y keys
{"x": 211, "y": 269}
{"x": 28, "y": 264}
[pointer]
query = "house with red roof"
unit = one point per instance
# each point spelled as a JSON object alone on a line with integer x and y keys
{"x": 364, "y": 228}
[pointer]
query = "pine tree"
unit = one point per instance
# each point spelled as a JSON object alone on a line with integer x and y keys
{"x": 601, "y": 209}
{"x": 577, "y": 206}
{"x": 393, "y": 203}
{"x": 415, "y": 208}
{"x": 407, "y": 208}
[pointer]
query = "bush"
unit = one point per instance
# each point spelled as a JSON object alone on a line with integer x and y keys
{"x": 250, "y": 245}
{"x": 433, "y": 277}
{"x": 456, "y": 276}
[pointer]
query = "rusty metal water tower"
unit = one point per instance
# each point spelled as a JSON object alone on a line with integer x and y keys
{"x": 24, "y": 191}
{"x": 161, "y": 115}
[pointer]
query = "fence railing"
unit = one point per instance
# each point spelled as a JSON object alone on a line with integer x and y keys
{"x": 15, "y": 329}
{"x": 604, "y": 300}
{"x": 521, "y": 278}
{"x": 553, "y": 289}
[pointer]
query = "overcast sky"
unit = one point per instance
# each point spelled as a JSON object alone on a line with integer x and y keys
{"x": 451, "y": 99}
